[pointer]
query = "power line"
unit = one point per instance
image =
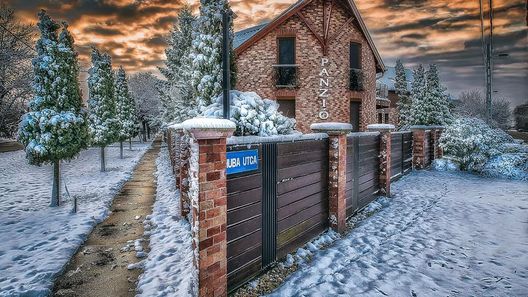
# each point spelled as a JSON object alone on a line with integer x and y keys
{"x": 18, "y": 38}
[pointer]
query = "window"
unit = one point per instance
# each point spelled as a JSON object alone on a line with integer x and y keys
{"x": 386, "y": 118}
{"x": 287, "y": 107}
{"x": 286, "y": 70}
{"x": 355, "y": 108}
{"x": 380, "y": 118}
{"x": 355, "y": 55}
{"x": 356, "y": 74}
{"x": 287, "y": 50}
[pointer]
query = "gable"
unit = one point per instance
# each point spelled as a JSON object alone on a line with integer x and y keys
{"x": 245, "y": 38}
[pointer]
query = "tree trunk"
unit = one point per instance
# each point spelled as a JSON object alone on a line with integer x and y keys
{"x": 144, "y": 131}
{"x": 103, "y": 169}
{"x": 148, "y": 131}
{"x": 130, "y": 143}
{"x": 121, "y": 150}
{"x": 55, "y": 191}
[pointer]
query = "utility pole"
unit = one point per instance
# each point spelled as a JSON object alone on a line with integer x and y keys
{"x": 487, "y": 51}
{"x": 226, "y": 77}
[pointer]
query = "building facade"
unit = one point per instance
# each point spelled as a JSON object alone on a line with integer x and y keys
{"x": 387, "y": 98}
{"x": 317, "y": 60}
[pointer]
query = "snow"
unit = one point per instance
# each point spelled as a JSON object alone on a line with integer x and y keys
{"x": 236, "y": 140}
{"x": 252, "y": 114}
{"x": 380, "y": 127}
{"x": 442, "y": 234}
{"x": 208, "y": 123}
{"x": 331, "y": 126}
{"x": 169, "y": 269}
{"x": 37, "y": 241}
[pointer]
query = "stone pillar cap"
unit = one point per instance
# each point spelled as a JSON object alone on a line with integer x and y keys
{"x": 332, "y": 128}
{"x": 380, "y": 127}
{"x": 209, "y": 128}
{"x": 426, "y": 127}
{"x": 178, "y": 127}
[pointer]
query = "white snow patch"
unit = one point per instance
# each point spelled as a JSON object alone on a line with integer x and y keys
{"x": 208, "y": 123}
{"x": 380, "y": 127}
{"x": 331, "y": 126}
{"x": 37, "y": 241}
{"x": 237, "y": 140}
{"x": 169, "y": 269}
{"x": 442, "y": 234}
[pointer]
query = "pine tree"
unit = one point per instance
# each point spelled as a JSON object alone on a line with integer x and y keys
{"x": 56, "y": 127}
{"x": 104, "y": 126}
{"x": 176, "y": 92}
{"x": 420, "y": 109}
{"x": 206, "y": 52}
{"x": 404, "y": 98}
{"x": 126, "y": 110}
{"x": 436, "y": 96}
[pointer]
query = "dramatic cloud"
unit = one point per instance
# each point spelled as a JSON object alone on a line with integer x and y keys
{"x": 445, "y": 32}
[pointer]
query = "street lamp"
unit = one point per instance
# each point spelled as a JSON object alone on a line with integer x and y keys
{"x": 226, "y": 77}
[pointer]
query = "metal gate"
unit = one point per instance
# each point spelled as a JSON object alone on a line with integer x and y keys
{"x": 276, "y": 209}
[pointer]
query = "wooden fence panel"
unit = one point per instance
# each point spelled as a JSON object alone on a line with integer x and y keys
{"x": 302, "y": 193}
{"x": 401, "y": 154}
{"x": 362, "y": 185}
{"x": 244, "y": 224}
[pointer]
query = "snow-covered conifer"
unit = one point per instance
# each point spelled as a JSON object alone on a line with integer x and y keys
{"x": 420, "y": 109}
{"x": 206, "y": 52}
{"x": 176, "y": 92}
{"x": 437, "y": 98}
{"x": 404, "y": 98}
{"x": 56, "y": 127}
{"x": 252, "y": 115}
{"x": 126, "y": 110}
{"x": 104, "y": 126}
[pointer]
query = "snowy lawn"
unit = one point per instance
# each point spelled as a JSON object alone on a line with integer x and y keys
{"x": 37, "y": 241}
{"x": 169, "y": 269}
{"x": 442, "y": 234}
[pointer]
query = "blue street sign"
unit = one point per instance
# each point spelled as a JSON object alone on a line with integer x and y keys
{"x": 242, "y": 161}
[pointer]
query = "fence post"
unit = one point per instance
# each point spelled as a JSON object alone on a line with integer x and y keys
{"x": 337, "y": 134}
{"x": 385, "y": 155}
{"x": 436, "y": 132}
{"x": 183, "y": 180}
{"x": 208, "y": 196}
{"x": 176, "y": 141}
{"x": 419, "y": 145}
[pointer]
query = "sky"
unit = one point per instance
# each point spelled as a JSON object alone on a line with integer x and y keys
{"x": 444, "y": 32}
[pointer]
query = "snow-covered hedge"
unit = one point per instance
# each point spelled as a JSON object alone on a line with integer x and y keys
{"x": 477, "y": 147}
{"x": 252, "y": 115}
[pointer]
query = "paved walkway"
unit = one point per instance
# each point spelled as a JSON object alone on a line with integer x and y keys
{"x": 9, "y": 146}
{"x": 99, "y": 268}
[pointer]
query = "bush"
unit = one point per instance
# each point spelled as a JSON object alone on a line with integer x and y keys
{"x": 472, "y": 142}
{"x": 252, "y": 115}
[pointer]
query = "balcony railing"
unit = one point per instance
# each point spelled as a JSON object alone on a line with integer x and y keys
{"x": 286, "y": 75}
{"x": 382, "y": 91}
{"x": 356, "y": 80}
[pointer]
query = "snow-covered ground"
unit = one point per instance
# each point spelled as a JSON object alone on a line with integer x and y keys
{"x": 442, "y": 234}
{"x": 36, "y": 241}
{"x": 169, "y": 269}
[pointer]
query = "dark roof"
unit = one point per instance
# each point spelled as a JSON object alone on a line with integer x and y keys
{"x": 243, "y": 35}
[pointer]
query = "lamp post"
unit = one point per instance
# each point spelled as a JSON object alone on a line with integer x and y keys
{"x": 226, "y": 77}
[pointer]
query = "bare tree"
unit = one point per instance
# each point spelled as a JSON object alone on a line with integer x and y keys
{"x": 15, "y": 70}
{"x": 143, "y": 88}
{"x": 473, "y": 104}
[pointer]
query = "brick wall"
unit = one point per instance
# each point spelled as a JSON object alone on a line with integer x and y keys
{"x": 255, "y": 71}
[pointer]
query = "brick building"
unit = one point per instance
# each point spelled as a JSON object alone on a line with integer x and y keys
{"x": 317, "y": 60}
{"x": 387, "y": 98}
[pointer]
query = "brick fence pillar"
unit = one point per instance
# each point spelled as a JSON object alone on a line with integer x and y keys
{"x": 337, "y": 134}
{"x": 385, "y": 155}
{"x": 421, "y": 149}
{"x": 436, "y": 132}
{"x": 208, "y": 194}
{"x": 183, "y": 173}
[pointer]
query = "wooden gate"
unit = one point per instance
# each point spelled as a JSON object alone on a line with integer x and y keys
{"x": 276, "y": 209}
